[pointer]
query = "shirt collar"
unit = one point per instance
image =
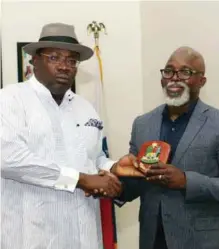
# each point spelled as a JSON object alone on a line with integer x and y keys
{"x": 43, "y": 91}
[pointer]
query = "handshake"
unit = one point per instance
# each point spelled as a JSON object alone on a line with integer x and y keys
{"x": 154, "y": 169}
{"x": 107, "y": 184}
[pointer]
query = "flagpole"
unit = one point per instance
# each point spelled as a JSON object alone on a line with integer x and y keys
{"x": 106, "y": 205}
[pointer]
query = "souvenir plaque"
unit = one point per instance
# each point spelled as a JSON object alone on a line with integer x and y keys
{"x": 153, "y": 152}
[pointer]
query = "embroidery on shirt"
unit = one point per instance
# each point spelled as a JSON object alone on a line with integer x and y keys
{"x": 95, "y": 123}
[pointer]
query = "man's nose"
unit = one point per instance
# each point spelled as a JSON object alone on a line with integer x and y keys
{"x": 175, "y": 77}
{"x": 63, "y": 65}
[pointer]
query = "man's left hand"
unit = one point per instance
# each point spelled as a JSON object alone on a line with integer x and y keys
{"x": 167, "y": 175}
{"x": 128, "y": 166}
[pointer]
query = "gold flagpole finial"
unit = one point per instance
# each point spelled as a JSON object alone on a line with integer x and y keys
{"x": 96, "y": 29}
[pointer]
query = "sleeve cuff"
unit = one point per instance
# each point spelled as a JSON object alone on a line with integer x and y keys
{"x": 108, "y": 165}
{"x": 67, "y": 180}
{"x": 195, "y": 188}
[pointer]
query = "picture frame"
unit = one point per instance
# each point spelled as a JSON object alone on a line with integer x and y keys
{"x": 1, "y": 76}
{"x": 25, "y": 68}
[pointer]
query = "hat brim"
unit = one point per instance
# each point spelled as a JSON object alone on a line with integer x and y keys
{"x": 85, "y": 52}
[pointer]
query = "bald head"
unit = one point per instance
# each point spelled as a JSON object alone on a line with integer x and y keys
{"x": 190, "y": 56}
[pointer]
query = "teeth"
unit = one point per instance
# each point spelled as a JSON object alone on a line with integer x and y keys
{"x": 175, "y": 89}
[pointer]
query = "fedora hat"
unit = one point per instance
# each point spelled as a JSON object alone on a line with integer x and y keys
{"x": 59, "y": 35}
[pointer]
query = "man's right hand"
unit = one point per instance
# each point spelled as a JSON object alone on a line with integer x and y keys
{"x": 109, "y": 185}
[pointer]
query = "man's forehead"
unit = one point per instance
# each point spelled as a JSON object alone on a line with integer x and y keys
{"x": 60, "y": 51}
{"x": 186, "y": 57}
{"x": 178, "y": 61}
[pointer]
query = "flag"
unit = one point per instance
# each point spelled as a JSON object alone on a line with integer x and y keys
{"x": 108, "y": 218}
{"x": 107, "y": 207}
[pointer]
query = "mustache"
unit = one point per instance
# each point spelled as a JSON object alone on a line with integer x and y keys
{"x": 63, "y": 75}
{"x": 176, "y": 84}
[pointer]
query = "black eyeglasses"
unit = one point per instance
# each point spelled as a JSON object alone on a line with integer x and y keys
{"x": 182, "y": 74}
{"x": 58, "y": 59}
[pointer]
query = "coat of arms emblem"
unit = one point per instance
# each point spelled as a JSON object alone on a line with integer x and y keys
{"x": 152, "y": 152}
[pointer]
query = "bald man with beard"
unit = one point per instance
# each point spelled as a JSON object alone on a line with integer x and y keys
{"x": 179, "y": 200}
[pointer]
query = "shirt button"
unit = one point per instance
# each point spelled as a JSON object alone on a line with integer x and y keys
{"x": 173, "y": 129}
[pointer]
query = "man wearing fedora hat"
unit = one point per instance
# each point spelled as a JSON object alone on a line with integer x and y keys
{"x": 51, "y": 152}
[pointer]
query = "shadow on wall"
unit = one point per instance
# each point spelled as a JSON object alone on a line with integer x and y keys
{"x": 83, "y": 77}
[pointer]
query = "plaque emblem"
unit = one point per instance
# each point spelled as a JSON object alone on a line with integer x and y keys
{"x": 152, "y": 154}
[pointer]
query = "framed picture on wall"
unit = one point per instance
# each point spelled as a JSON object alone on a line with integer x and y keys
{"x": 25, "y": 68}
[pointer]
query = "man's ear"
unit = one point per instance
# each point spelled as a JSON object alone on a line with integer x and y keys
{"x": 162, "y": 82}
{"x": 34, "y": 61}
{"x": 203, "y": 81}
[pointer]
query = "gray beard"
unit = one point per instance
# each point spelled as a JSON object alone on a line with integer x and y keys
{"x": 178, "y": 100}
